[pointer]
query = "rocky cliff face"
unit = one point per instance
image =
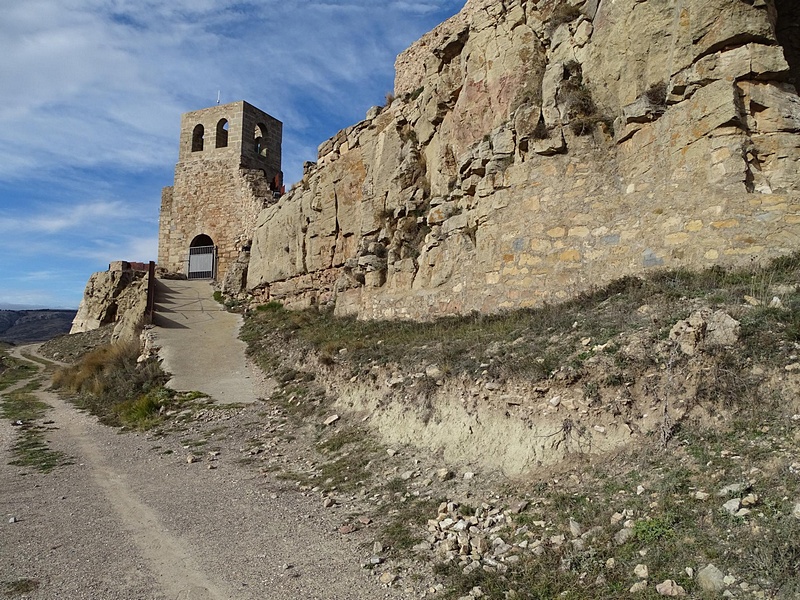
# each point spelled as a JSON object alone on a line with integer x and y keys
{"x": 538, "y": 149}
{"x": 115, "y": 297}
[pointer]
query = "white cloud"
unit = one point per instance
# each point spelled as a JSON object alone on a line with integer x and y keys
{"x": 81, "y": 216}
{"x": 106, "y": 250}
{"x": 93, "y": 91}
{"x": 99, "y": 82}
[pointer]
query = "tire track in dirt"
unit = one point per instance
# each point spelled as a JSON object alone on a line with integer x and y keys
{"x": 167, "y": 557}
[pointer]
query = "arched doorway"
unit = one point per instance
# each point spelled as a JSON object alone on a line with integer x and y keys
{"x": 202, "y": 258}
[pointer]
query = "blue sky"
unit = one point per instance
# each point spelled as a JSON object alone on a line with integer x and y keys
{"x": 91, "y": 93}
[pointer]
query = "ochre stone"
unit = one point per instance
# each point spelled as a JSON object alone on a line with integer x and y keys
{"x": 523, "y": 163}
{"x": 229, "y": 168}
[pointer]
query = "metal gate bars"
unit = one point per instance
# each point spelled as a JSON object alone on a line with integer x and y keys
{"x": 202, "y": 262}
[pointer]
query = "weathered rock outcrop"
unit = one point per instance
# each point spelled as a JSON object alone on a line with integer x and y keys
{"x": 117, "y": 296}
{"x": 538, "y": 149}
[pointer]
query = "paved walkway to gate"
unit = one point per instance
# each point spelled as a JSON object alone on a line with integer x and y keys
{"x": 200, "y": 343}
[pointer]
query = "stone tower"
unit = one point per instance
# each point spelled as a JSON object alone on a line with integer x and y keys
{"x": 229, "y": 168}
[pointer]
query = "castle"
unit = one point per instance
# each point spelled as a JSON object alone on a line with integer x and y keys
{"x": 229, "y": 169}
{"x": 532, "y": 152}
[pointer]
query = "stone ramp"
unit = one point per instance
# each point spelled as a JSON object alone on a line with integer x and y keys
{"x": 199, "y": 342}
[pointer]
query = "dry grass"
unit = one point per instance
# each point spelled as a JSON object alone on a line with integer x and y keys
{"x": 534, "y": 343}
{"x": 111, "y": 384}
{"x": 563, "y": 13}
{"x": 671, "y": 526}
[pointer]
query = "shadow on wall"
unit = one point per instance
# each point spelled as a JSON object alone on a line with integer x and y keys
{"x": 787, "y": 30}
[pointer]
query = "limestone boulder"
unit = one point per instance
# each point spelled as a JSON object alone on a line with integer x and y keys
{"x": 705, "y": 329}
{"x": 117, "y": 296}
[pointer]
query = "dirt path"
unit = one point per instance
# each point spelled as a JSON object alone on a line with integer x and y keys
{"x": 200, "y": 343}
{"x": 132, "y": 519}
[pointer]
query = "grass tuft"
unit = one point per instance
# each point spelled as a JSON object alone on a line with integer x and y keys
{"x": 111, "y": 384}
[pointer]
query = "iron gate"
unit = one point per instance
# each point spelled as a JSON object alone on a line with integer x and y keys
{"x": 202, "y": 262}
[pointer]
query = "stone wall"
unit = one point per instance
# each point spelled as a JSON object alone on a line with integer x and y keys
{"x": 223, "y": 180}
{"x": 539, "y": 149}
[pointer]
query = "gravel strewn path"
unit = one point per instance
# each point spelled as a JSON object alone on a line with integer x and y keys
{"x": 129, "y": 521}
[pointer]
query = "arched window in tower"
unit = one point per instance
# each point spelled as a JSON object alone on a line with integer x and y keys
{"x": 197, "y": 138}
{"x": 222, "y": 133}
{"x": 261, "y": 140}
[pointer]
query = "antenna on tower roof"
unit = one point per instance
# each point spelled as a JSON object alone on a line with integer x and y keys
{"x": 219, "y": 92}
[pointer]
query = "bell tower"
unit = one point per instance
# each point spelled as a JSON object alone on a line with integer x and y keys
{"x": 229, "y": 168}
{"x": 237, "y": 131}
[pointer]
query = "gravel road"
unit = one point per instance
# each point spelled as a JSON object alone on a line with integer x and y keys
{"x": 128, "y": 520}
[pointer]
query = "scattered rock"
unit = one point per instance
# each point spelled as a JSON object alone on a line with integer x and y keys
{"x": 641, "y": 571}
{"x": 670, "y": 588}
{"x": 734, "y": 488}
{"x": 638, "y": 587}
{"x": 623, "y": 536}
{"x": 445, "y": 474}
{"x": 575, "y": 528}
{"x": 13, "y": 520}
{"x": 711, "y": 579}
{"x": 705, "y": 329}
{"x": 388, "y": 578}
{"x": 191, "y": 458}
{"x": 732, "y": 506}
{"x": 421, "y": 547}
{"x": 331, "y": 420}
{"x": 434, "y": 372}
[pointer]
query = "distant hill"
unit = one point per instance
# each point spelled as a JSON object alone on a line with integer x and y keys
{"x": 24, "y": 326}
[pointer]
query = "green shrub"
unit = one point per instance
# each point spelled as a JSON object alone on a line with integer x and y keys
{"x": 651, "y": 530}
